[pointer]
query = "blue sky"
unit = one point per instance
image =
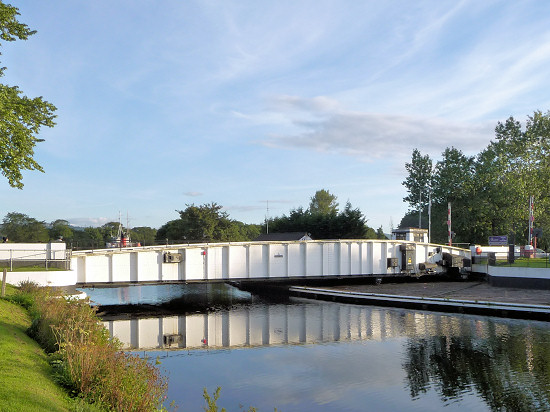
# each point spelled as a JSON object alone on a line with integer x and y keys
{"x": 168, "y": 103}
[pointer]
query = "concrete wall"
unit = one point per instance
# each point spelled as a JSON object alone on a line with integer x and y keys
{"x": 518, "y": 277}
{"x": 45, "y": 278}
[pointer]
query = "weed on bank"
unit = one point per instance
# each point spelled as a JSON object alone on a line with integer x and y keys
{"x": 87, "y": 362}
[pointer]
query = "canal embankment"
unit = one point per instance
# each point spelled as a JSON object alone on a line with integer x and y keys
{"x": 478, "y": 297}
{"x": 77, "y": 354}
{"x": 27, "y": 378}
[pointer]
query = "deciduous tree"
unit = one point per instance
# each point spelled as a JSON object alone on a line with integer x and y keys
{"x": 21, "y": 117}
{"x": 18, "y": 227}
{"x": 206, "y": 223}
{"x": 60, "y": 229}
{"x": 418, "y": 181}
{"x": 323, "y": 202}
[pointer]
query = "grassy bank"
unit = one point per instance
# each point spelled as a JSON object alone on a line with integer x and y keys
{"x": 26, "y": 377}
{"x": 82, "y": 357}
{"x": 526, "y": 263}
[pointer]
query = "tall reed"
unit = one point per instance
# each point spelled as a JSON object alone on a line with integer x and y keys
{"x": 88, "y": 362}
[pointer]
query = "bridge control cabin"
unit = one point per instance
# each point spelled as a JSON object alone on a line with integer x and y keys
{"x": 412, "y": 234}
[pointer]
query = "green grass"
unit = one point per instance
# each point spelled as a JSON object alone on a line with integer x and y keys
{"x": 29, "y": 269}
{"x": 526, "y": 263}
{"x": 26, "y": 377}
{"x": 85, "y": 361}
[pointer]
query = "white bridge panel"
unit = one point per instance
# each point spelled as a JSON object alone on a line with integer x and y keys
{"x": 278, "y": 259}
{"x": 314, "y": 259}
{"x": 238, "y": 262}
{"x": 296, "y": 259}
{"x": 258, "y": 261}
{"x": 377, "y": 254}
{"x": 149, "y": 266}
{"x": 331, "y": 260}
{"x": 168, "y": 271}
{"x": 98, "y": 268}
{"x": 195, "y": 264}
{"x": 217, "y": 262}
{"x": 120, "y": 267}
{"x": 355, "y": 258}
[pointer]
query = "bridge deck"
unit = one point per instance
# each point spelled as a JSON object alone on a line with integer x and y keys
{"x": 220, "y": 262}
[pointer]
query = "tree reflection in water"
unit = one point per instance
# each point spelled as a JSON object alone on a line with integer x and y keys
{"x": 507, "y": 365}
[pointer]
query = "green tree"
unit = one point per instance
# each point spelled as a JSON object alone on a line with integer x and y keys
{"x": 521, "y": 156}
{"x": 173, "y": 231}
{"x": 489, "y": 193}
{"x": 411, "y": 220}
{"x": 60, "y": 229}
{"x": 18, "y": 227}
{"x": 453, "y": 181}
{"x": 418, "y": 181}
{"x": 348, "y": 224}
{"x": 21, "y": 117}
{"x": 380, "y": 233}
{"x": 110, "y": 230}
{"x": 205, "y": 223}
{"x": 323, "y": 202}
{"x": 144, "y": 235}
{"x": 90, "y": 237}
{"x": 351, "y": 224}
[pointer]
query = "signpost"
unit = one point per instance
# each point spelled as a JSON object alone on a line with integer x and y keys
{"x": 498, "y": 240}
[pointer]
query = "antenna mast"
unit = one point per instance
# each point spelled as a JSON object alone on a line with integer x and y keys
{"x": 267, "y": 218}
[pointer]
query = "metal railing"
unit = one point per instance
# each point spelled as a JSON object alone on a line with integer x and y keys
{"x": 19, "y": 258}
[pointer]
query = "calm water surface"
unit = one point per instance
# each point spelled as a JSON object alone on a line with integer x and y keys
{"x": 303, "y": 355}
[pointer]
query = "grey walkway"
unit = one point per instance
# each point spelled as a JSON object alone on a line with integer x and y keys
{"x": 456, "y": 290}
{"x": 463, "y": 297}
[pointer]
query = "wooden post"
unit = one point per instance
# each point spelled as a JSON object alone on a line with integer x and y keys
{"x": 4, "y": 282}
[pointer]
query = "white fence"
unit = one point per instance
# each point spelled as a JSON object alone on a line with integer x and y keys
{"x": 29, "y": 254}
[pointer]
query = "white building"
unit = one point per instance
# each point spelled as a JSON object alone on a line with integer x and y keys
{"x": 412, "y": 234}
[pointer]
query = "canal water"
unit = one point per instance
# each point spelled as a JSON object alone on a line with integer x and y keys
{"x": 305, "y": 355}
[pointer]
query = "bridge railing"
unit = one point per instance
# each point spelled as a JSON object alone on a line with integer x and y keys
{"x": 26, "y": 258}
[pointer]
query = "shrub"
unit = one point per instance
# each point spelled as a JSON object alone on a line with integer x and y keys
{"x": 87, "y": 362}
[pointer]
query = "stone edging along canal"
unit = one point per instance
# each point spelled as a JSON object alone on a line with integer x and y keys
{"x": 478, "y": 307}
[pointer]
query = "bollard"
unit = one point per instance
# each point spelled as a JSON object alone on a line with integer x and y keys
{"x": 4, "y": 282}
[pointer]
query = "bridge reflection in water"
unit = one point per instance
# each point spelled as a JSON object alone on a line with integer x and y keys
{"x": 285, "y": 324}
{"x": 444, "y": 360}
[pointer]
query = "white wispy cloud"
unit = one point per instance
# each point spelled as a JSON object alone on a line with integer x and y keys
{"x": 322, "y": 126}
{"x": 193, "y": 194}
{"x": 89, "y": 221}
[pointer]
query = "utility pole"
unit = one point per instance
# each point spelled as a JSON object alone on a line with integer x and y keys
{"x": 531, "y": 218}
{"x": 267, "y": 218}
{"x": 449, "y": 224}
{"x": 429, "y": 217}
{"x": 420, "y": 208}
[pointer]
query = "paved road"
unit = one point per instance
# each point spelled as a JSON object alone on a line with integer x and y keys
{"x": 480, "y": 291}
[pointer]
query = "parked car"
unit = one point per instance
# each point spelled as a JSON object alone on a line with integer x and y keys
{"x": 540, "y": 253}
